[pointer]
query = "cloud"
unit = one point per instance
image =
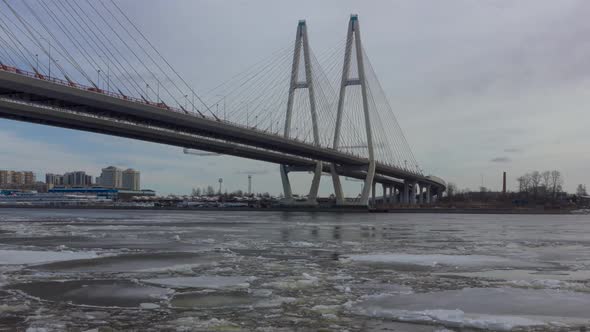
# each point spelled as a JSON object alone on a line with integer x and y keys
{"x": 513, "y": 150}
{"x": 501, "y": 160}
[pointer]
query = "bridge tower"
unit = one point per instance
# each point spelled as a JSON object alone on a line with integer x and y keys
{"x": 302, "y": 47}
{"x": 354, "y": 36}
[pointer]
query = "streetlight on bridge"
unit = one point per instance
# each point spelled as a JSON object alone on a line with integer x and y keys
{"x": 48, "y": 54}
{"x": 224, "y": 114}
{"x": 98, "y": 80}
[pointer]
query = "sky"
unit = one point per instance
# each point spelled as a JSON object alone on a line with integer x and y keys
{"x": 479, "y": 87}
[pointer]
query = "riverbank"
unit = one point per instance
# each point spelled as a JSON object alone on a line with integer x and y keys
{"x": 348, "y": 209}
{"x": 472, "y": 211}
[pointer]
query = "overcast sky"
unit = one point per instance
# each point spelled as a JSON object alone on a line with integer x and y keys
{"x": 479, "y": 87}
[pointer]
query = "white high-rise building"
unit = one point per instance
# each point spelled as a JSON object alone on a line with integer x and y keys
{"x": 111, "y": 177}
{"x": 131, "y": 179}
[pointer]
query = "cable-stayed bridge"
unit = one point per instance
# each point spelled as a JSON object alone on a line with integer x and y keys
{"x": 85, "y": 65}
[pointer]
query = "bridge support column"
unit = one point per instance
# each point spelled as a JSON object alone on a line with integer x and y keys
{"x": 420, "y": 194}
{"x": 413, "y": 193}
{"x": 287, "y": 192}
{"x": 406, "y": 194}
{"x": 315, "y": 183}
{"x": 354, "y": 34}
{"x": 373, "y": 193}
{"x": 429, "y": 194}
{"x": 391, "y": 195}
{"x": 338, "y": 192}
{"x": 302, "y": 45}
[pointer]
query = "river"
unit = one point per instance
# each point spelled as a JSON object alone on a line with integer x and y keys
{"x": 102, "y": 270}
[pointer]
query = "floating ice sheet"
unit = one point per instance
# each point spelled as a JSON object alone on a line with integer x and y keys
{"x": 433, "y": 260}
{"x": 22, "y": 257}
{"x": 527, "y": 275}
{"x": 487, "y": 308}
{"x": 214, "y": 282}
{"x": 162, "y": 261}
{"x": 105, "y": 293}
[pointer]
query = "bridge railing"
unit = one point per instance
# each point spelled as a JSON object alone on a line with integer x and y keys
{"x": 94, "y": 89}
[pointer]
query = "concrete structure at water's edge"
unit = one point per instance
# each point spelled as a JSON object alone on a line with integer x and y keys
{"x": 107, "y": 193}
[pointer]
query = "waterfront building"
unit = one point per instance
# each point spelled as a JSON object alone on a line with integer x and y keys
{"x": 5, "y": 177}
{"x": 131, "y": 179}
{"x": 29, "y": 178}
{"x": 111, "y": 177}
{"x": 54, "y": 179}
{"x": 77, "y": 179}
{"x": 71, "y": 179}
{"x": 18, "y": 178}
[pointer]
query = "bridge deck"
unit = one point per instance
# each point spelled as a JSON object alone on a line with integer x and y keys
{"x": 56, "y": 93}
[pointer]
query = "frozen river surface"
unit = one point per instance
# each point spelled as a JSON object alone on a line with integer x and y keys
{"x": 85, "y": 270}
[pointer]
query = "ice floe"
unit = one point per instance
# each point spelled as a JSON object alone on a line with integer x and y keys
{"x": 23, "y": 257}
{"x": 432, "y": 260}
{"x": 101, "y": 293}
{"x": 226, "y": 300}
{"x": 458, "y": 318}
{"x": 484, "y": 308}
{"x": 213, "y": 282}
{"x": 294, "y": 283}
{"x": 550, "y": 284}
{"x": 528, "y": 275}
{"x": 149, "y": 306}
{"x": 193, "y": 323}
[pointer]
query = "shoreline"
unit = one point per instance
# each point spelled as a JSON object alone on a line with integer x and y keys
{"x": 351, "y": 209}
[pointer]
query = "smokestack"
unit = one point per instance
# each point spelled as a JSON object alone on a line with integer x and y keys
{"x": 504, "y": 184}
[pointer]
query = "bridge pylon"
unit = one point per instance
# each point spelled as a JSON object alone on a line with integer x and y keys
{"x": 302, "y": 47}
{"x": 354, "y": 37}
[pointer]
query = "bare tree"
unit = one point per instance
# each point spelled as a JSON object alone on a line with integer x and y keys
{"x": 535, "y": 181}
{"x": 521, "y": 184}
{"x": 210, "y": 191}
{"x": 546, "y": 180}
{"x": 581, "y": 190}
{"x": 525, "y": 183}
{"x": 556, "y": 182}
{"x": 451, "y": 189}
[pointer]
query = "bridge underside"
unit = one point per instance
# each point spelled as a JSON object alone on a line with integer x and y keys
{"x": 40, "y": 101}
{"x": 33, "y": 112}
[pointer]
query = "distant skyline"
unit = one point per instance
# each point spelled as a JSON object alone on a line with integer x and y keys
{"x": 478, "y": 87}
